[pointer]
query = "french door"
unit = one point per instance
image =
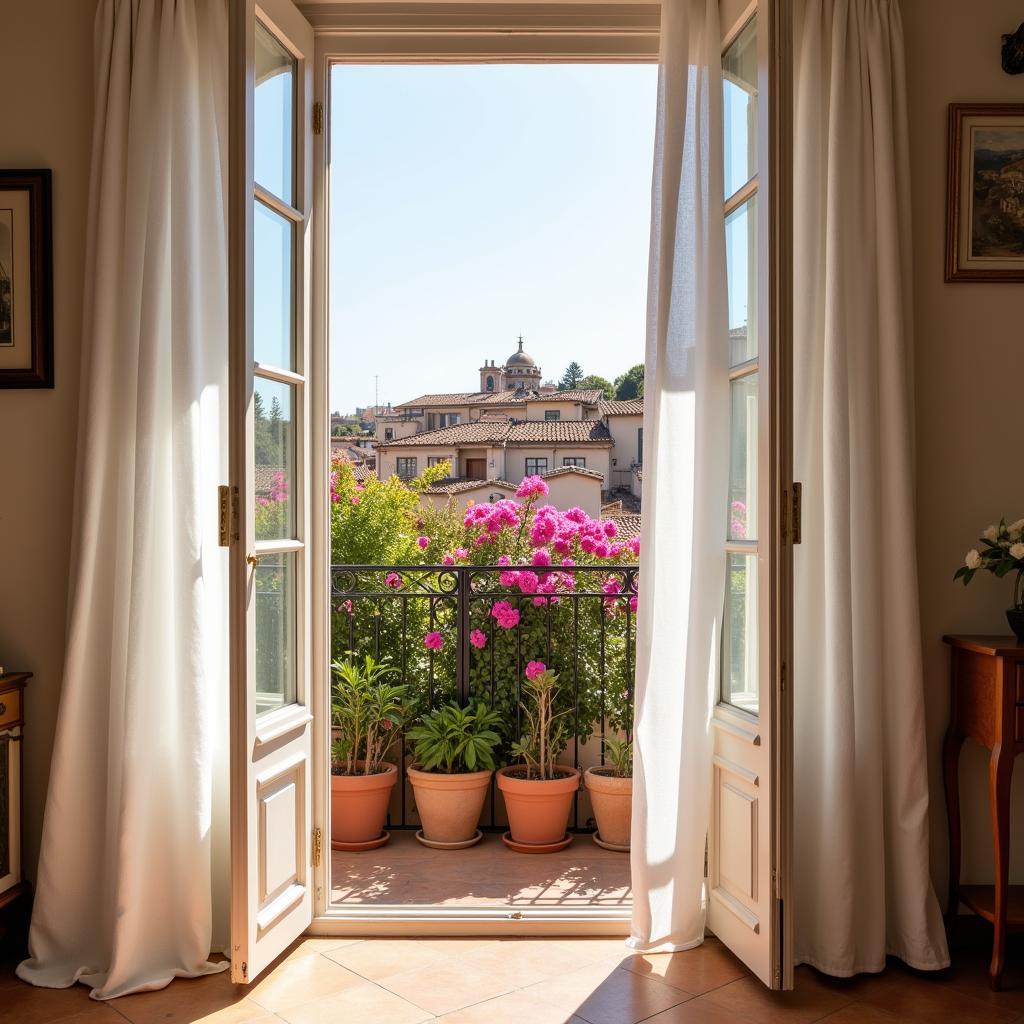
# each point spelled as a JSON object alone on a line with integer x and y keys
{"x": 266, "y": 509}
{"x": 750, "y": 834}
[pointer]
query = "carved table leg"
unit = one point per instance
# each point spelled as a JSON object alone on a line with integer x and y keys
{"x": 1000, "y": 773}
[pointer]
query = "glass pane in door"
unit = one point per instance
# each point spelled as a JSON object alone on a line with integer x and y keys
{"x": 739, "y": 109}
{"x": 274, "y": 446}
{"x": 743, "y": 458}
{"x": 275, "y": 631}
{"x": 739, "y": 655}
{"x": 273, "y": 320}
{"x": 274, "y": 146}
{"x": 741, "y": 266}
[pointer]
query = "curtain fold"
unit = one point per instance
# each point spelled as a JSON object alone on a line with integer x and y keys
{"x": 686, "y": 429}
{"x": 124, "y": 887}
{"x": 861, "y": 788}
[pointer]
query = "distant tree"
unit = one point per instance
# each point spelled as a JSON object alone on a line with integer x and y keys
{"x": 630, "y": 384}
{"x": 593, "y": 382}
{"x": 345, "y": 430}
{"x": 571, "y": 378}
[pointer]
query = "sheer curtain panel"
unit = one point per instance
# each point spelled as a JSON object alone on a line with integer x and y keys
{"x": 861, "y": 787}
{"x": 124, "y": 887}
{"x": 686, "y": 427}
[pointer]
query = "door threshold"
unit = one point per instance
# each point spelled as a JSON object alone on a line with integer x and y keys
{"x": 496, "y": 922}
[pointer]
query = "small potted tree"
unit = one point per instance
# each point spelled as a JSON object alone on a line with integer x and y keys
{"x": 367, "y": 712}
{"x": 611, "y": 794}
{"x": 453, "y": 749}
{"x": 538, "y": 792}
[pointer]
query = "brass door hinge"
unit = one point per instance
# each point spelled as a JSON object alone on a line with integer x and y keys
{"x": 227, "y": 515}
{"x": 318, "y": 118}
{"x": 318, "y": 847}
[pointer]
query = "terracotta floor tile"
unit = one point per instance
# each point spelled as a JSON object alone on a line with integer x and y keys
{"x": 379, "y": 958}
{"x": 924, "y": 1000}
{"x": 861, "y": 1013}
{"x": 300, "y": 981}
{"x": 605, "y": 994}
{"x": 522, "y": 962}
{"x": 212, "y": 1000}
{"x": 694, "y": 970}
{"x": 310, "y": 944}
{"x": 514, "y": 1008}
{"x": 809, "y": 1001}
{"x": 446, "y": 985}
{"x": 699, "y": 1011}
{"x": 364, "y": 1002}
{"x": 28, "y": 1004}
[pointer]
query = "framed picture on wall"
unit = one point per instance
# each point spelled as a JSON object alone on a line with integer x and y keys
{"x": 985, "y": 217}
{"x": 26, "y": 280}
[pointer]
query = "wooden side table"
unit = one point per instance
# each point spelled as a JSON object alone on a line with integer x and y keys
{"x": 986, "y": 704}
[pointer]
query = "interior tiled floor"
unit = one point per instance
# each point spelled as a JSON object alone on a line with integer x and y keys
{"x": 488, "y": 874}
{"x": 534, "y": 981}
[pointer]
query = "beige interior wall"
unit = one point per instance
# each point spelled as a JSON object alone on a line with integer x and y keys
{"x": 969, "y": 342}
{"x": 46, "y": 82}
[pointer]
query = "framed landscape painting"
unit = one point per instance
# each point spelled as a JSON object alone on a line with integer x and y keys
{"x": 26, "y": 280}
{"x": 985, "y": 220}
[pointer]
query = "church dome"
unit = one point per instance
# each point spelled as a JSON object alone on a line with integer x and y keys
{"x": 521, "y": 358}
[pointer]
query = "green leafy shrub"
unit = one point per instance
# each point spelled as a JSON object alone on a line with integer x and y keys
{"x": 455, "y": 739}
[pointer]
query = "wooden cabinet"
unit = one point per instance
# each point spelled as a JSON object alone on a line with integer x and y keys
{"x": 12, "y": 710}
{"x": 987, "y": 705}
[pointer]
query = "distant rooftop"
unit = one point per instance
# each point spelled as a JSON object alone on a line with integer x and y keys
{"x": 585, "y": 396}
{"x": 632, "y": 407}
{"x": 563, "y": 432}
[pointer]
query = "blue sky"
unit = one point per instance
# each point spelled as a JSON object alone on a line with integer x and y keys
{"x": 470, "y": 203}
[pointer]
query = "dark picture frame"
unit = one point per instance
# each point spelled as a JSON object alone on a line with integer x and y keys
{"x": 26, "y": 279}
{"x": 985, "y": 202}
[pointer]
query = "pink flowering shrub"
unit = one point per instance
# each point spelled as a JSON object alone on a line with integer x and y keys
{"x": 530, "y": 608}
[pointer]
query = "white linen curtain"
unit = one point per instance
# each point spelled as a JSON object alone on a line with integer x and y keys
{"x": 686, "y": 429}
{"x": 861, "y": 788}
{"x": 124, "y": 885}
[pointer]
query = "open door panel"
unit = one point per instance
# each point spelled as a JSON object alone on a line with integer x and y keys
{"x": 266, "y": 509}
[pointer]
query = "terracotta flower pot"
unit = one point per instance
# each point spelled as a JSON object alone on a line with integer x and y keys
{"x": 359, "y": 804}
{"x": 538, "y": 810}
{"x": 612, "y": 799}
{"x": 449, "y": 805}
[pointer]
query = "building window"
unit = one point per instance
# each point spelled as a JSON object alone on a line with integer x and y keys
{"x": 433, "y": 460}
{"x": 574, "y": 461}
{"x": 406, "y": 468}
{"x": 389, "y": 433}
{"x": 534, "y": 467}
{"x": 490, "y": 383}
{"x": 640, "y": 446}
{"x": 552, "y": 414}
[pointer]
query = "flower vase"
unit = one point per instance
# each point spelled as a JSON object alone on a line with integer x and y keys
{"x": 1015, "y": 617}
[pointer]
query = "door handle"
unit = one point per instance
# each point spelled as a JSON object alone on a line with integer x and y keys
{"x": 253, "y": 560}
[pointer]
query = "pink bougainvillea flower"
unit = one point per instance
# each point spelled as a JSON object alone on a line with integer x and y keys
{"x": 448, "y": 560}
{"x": 609, "y": 527}
{"x": 541, "y": 557}
{"x": 532, "y": 486}
{"x": 393, "y": 580}
{"x": 539, "y": 602}
{"x": 423, "y": 542}
{"x": 534, "y": 669}
{"x": 355, "y": 499}
{"x": 527, "y": 582}
{"x": 508, "y": 578}
{"x": 461, "y": 553}
{"x": 612, "y": 586}
{"x": 478, "y": 638}
{"x": 507, "y": 617}
{"x": 433, "y": 641}
{"x": 633, "y": 603}
{"x": 504, "y": 560}
{"x": 345, "y": 606}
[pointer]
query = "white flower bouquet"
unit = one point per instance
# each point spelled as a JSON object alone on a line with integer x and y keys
{"x": 1001, "y": 552}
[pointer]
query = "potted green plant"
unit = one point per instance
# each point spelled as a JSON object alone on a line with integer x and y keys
{"x": 367, "y": 712}
{"x": 1002, "y": 552}
{"x": 538, "y": 792}
{"x": 453, "y": 748}
{"x": 611, "y": 794}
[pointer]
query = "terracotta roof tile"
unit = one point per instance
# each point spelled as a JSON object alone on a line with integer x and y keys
{"x": 561, "y": 432}
{"x": 633, "y": 407}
